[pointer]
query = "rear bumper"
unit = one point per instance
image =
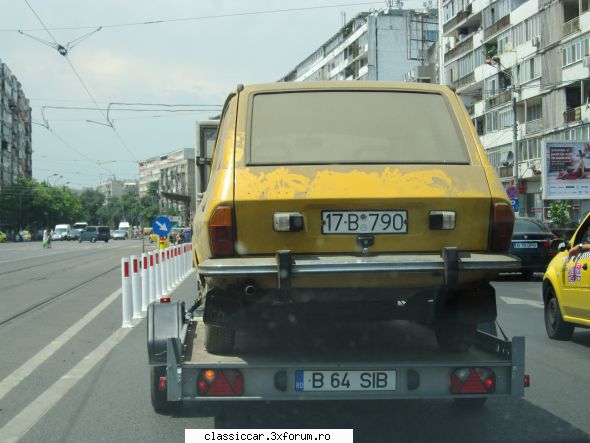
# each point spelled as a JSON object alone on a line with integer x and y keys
{"x": 449, "y": 262}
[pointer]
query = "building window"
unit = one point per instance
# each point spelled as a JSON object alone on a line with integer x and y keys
{"x": 534, "y": 112}
{"x": 465, "y": 65}
{"x": 492, "y": 121}
{"x": 529, "y": 69}
{"x": 505, "y": 117}
{"x": 574, "y": 50}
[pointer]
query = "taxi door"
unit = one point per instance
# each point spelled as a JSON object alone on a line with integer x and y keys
{"x": 576, "y": 293}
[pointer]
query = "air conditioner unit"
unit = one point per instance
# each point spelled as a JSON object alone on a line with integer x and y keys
{"x": 537, "y": 41}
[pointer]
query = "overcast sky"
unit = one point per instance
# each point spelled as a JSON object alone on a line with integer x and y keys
{"x": 184, "y": 62}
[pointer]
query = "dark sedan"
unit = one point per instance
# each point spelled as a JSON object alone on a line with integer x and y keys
{"x": 534, "y": 244}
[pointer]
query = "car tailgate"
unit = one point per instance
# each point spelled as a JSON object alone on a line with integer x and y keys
{"x": 415, "y": 190}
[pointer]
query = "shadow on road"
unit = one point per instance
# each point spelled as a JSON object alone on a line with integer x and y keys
{"x": 505, "y": 420}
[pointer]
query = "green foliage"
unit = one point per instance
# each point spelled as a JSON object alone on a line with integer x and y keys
{"x": 559, "y": 213}
{"x": 91, "y": 201}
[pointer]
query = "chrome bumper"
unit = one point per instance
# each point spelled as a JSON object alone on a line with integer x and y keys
{"x": 450, "y": 262}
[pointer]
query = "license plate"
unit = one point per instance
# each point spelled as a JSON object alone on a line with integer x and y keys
{"x": 522, "y": 245}
{"x": 345, "y": 380}
{"x": 366, "y": 222}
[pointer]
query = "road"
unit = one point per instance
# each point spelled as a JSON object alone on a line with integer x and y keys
{"x": 60, "y": 306}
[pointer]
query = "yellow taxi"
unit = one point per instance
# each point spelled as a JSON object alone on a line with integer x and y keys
{"x": 566, "y": 286}
{"x": 349, "y": 200}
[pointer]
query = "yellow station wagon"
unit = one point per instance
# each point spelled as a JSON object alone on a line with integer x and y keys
{"x": 349, "y": 200}
{"x": 566, "y": 286}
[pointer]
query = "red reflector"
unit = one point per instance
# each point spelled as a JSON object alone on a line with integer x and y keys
{"x": 145, "y": 263}
{"x": 501, "y": 230}
{"x": 126, "y": 269}
{"x": 221, "y": 232}
{"x": 151, "y": 261}
{"x": 479, "y": 381}
{"x": 227, "y": 382}
{"x": 527, "y": 380}
{"x": 164, "y": 299}
{"x": 135, "y": 266}
{"x": 162, "y": 384}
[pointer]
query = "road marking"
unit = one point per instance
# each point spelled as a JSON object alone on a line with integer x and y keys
{"x": 522, "y": 301}
{"x": 30, "y": 415}
{"x": 33, "y": 363}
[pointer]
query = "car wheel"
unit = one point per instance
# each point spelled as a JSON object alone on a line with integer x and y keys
{"x": 93, "y": 240}
{"x": 219, "y": 339}
{"x": 557, "y": 328}
{"x": 106, "y": 241}
{"x": 159, "y": 400}
{"x": 80, "y": 241}
{"x": 527, "y": 275}
{"x": 454, "y": 336}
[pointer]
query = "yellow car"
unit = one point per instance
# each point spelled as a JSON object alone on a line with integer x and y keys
{"x": 349, "y": 201}
{"x": 566, "y": 286}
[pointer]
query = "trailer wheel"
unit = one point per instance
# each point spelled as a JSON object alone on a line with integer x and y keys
{"x": 219, "y": 339}
{"x": 557, "y": 328}
{"x": 159, "y": 401}
{"x": 452, "y": 335}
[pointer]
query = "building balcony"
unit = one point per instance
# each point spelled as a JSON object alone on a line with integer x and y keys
{"x": 572, "y": 115}
{"x": 533, "y": 126}
{"x": 504, "y": 22}
{"x": 499, "y": 99}
{"x": 462, "y": 15}
{"x": 463, "y": 81}
{"x": 462, "y": 48}
{"x": 572, "y": 26}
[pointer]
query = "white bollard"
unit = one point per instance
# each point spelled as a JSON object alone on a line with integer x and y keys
{"x": 152, "y": 277}
{"x": 126, "y": 295}
{"x": 184, "y": 261}
{"x": 158, "y": 274}
{"x": 136, "y": 287}
{"x": 164, "y": 273}
{"x": 145, "y": 283}
{"x": 168, "y": 272}
{"x": 176, "y": 269}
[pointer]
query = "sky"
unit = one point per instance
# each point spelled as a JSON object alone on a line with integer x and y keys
{"x": 155, "y": 79}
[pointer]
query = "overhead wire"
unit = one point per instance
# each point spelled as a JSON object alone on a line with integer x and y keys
{"x": 203, "y": 17}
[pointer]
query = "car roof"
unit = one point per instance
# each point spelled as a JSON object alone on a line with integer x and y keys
{"x": 346, "y": 86}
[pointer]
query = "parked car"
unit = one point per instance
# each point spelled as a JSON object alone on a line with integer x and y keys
{"x": 361, "y": 201}
{"x": 73, "y": 234}
{"x": 534, "y": 244}
{"x": 566, "y": 287}
{"x": 94, "y": 233}
{"x": 2, "y": 237}
{"x": 120, "y": 234}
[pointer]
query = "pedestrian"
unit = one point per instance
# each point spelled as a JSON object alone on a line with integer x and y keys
{"x": 49, "y": 238}
{"x": 45, "y": 237}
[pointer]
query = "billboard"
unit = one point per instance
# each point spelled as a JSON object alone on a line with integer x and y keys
{"x": 566, "y": 170}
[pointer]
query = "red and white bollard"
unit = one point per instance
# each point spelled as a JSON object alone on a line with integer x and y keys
{"x": 158, "y": 274}
{"x": 145, "y": 283}
{"x": 168, "y": 271}
{"x": 136, "y": 287}
{"x": 163, "y": 273}
{"x": 126, "y": 295}
{"x": 152, "y": 277}
{"x": 176, "y": 269}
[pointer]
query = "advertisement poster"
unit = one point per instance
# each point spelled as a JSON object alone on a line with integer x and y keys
{"x": 566, "y": 170}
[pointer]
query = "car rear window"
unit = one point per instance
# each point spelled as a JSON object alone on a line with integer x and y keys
{"x": 327, "y": 127}
{"x": 529, "y": 226}
{"x": 103, "y": 229}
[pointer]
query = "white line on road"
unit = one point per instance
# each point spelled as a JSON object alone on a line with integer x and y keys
{"x": 33, "y": 363}
{"x": 26, "y": 419}
{"x": 522, "y": 301}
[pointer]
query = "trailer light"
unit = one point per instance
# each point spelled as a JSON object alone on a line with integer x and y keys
{"x": 223, "y": 383}
{"x": 473, "y": 381}
{"x": 162, "y": 384}
{"x": 164, "y": 299}
{"x": 527, "y": 380}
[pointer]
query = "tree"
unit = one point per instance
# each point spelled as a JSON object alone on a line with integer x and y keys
{"x": 91, "y": 201}
{"x": 559, "y": 213}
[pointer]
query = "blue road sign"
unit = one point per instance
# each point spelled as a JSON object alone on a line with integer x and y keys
{"x": 515, "y": 205}
{"x": 162, "y": 226}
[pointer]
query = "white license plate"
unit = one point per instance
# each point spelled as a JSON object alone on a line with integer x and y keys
{"x": 522, "y": 245}
{"x": 365, "y": 222}
{"x": 345, "y": 380}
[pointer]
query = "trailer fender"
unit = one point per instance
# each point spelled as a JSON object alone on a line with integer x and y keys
{"x": 164, "y": 321}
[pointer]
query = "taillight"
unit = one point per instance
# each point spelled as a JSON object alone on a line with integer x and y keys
{"x": 221, "y": 232}
{"x": 220, "y": 383}
{"x": 473, "y": 381}
{"x": 502, "y": 221}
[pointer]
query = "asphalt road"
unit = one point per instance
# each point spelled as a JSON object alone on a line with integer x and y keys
{"x": 68, "y": 372}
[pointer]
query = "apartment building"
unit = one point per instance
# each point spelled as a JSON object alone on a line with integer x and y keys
{"x": 379, "y": 45}
{"x": 15, "y": 129}
{"x": 116, "y": 188}
{"x": 175, "y": 174}
{"x": 522, "y": 69}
